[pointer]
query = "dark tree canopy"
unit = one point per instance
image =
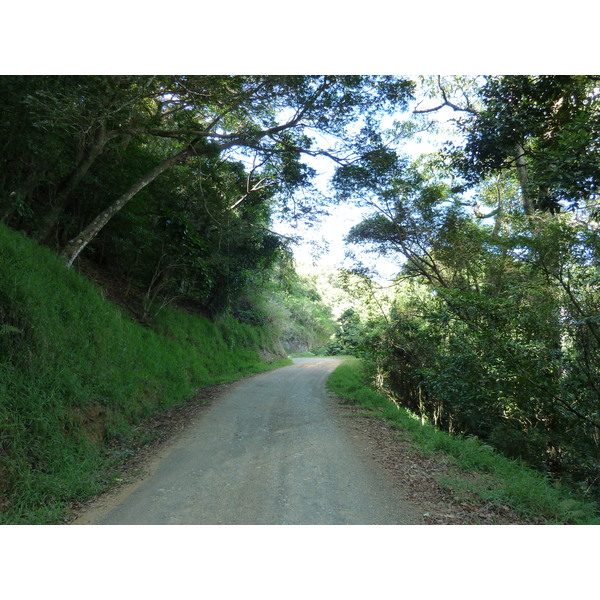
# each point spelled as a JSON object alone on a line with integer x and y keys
{"x": 175, "y": 178}
{"x": 554, "y": 119}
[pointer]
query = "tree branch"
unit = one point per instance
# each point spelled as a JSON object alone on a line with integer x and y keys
{"x": 446, "y": 102}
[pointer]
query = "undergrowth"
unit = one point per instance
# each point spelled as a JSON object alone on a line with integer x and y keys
{"x": 507, "y": 481}
{"x": 77, "y": 374}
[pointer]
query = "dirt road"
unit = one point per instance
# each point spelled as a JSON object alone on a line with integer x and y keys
{"x": 272, "y": 450}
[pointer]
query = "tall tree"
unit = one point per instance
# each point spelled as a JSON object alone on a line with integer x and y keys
{"x": 274, "y": 118}
{"x": 57, "y": 128}
{"x": 547, "y": 128}
{"x": 497, "y": 332}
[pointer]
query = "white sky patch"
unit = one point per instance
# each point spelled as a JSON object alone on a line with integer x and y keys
{"x": 323, "y": 244}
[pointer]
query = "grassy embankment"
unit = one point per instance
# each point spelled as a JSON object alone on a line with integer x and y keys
{"x": 504, "y": 481}
{"x": 77, "y": 374}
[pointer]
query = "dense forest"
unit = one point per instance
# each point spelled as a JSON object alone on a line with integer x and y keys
{"x": 492, "y": 325}
{"x": 167, "y": 189}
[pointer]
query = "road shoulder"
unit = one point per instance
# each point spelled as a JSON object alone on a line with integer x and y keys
{"x": 420, "y": 477}
{"x": 163, "y": 431}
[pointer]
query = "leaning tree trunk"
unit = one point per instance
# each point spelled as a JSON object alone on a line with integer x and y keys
{"x": 79, "y": 242}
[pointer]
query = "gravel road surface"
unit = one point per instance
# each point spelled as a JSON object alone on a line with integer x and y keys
{"x": 271, "y": 450}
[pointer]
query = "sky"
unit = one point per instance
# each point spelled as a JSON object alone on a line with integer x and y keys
{"x": 324, "y": 244}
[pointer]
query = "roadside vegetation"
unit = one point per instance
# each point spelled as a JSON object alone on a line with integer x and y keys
{"x": 77, "y": 373}
{"x": 491, "y": 324}
{"x": 167, "y": 190}
{"x": 504, "y": 481}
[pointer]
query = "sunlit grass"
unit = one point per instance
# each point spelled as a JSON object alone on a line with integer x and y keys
{"x": 507, "y": 481}
{"x": 77, "y": 374}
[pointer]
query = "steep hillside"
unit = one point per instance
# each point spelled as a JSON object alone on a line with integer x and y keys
{"x": 77, "y": 372}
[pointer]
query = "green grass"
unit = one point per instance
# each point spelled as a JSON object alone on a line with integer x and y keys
{"x": 77, "y": 374}
{"x": 504, "y": 480}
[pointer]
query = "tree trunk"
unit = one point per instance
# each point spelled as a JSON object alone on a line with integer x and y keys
{"x": 523, "y": 179}
{"x": 66, "y": 188}
{"x": 499, "y": 209}
{"x": 79, "y": 242}
{"x": 498, "y": 221}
